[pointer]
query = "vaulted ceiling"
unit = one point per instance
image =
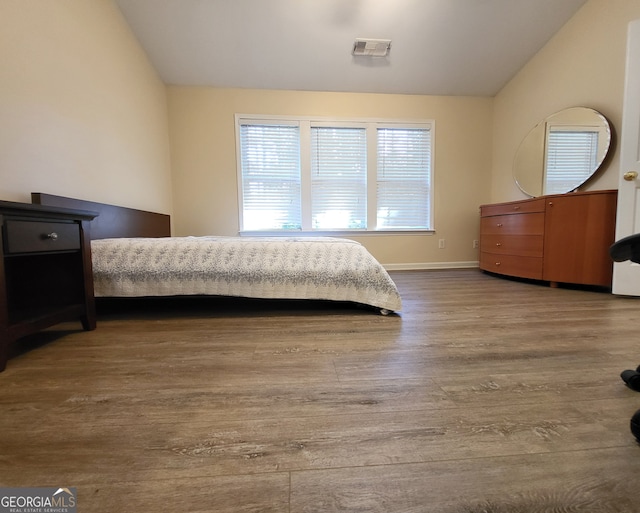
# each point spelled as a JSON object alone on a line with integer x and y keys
{"x": 439, "y": 47}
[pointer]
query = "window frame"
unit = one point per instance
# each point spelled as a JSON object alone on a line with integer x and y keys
{"x": 371, "y": 125}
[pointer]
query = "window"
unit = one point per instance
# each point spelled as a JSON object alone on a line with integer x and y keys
{"x": 270, "y": 162}
{"x": 404, "y": 178}
{"x": 320, "y": 175}
{"x": 338, "y": 178}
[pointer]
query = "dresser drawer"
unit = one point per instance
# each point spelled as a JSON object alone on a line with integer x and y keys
{"x": 511, "y": 265}
{"x": 40, "y": 236}
{"x": 521, "y": 224}
{"x": 520, "y": 245}
{"x": 518, "y": 207}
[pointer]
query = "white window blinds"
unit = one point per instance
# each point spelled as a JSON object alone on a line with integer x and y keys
{"x": 571, "y": 158}
{"x": 270, "y": 163}
{"x": 338, "y": 178}
{"x": 310, "y": 174}
{"x": 404, "y": 178}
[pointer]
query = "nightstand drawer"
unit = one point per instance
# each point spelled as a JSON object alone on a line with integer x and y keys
{"x": 40, "y": 236}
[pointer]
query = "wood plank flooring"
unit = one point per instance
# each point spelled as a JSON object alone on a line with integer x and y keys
{"x": 485, "y": 395}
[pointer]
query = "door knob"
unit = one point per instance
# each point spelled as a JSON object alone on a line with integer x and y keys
{"x": 630, "y": 176}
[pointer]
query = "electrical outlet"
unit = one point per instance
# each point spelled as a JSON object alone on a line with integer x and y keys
{"x": 475, "y": 244}
{"x": 441, "y": 244}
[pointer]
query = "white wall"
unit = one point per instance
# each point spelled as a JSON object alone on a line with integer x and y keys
{"x": 82, "y": 112}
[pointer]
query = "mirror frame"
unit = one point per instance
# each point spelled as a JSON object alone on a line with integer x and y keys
{"x": 529, "y": 161}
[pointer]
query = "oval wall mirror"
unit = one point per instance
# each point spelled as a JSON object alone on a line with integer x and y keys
{"x": 562, "y": 152}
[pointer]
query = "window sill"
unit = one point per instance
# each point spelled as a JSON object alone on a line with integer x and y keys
{"x": 335, "y": 233}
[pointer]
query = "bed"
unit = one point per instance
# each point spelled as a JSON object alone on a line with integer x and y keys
{"x": 134, "y": 255}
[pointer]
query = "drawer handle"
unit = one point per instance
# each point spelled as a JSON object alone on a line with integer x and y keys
{"x": 498, "y": 244}
{"x": 499, "y": 225}
{"x": 516, "y": 208}
{"x": 497, "y": 264}
{"x": 51, "y": 236}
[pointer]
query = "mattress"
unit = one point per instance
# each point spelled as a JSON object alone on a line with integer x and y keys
{"x": 319, "y": 268}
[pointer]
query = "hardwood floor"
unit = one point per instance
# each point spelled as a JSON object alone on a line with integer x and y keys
{"x": 484, "y": 395}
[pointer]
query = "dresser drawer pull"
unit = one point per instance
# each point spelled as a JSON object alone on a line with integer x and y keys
{"x": 51, "y": 236}
{"x": 499, "y": 225}
{"x": 498, "y": 244}
{"x": 497, "y": 264}
{"x": 516, "y": 208}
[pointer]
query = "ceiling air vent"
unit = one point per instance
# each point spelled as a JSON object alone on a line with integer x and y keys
{"x": 371, "y": 47}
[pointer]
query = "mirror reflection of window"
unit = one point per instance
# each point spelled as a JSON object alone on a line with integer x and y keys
{"x": 546, "y": 161}
{"x": 571, "y": 156}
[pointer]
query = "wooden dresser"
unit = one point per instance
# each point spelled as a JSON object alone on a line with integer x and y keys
{"x": 562, "y": 238}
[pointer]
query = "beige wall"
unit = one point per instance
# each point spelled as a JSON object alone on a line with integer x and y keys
{"x": 203, "y": 158}
{"x": 82, "y": 112}
{"x": 583, "y": 65}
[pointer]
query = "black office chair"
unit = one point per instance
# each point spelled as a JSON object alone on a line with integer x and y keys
{"x": 622, "y": 250}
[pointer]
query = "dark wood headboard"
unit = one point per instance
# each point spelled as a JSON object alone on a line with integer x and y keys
{"x": 112, "y": 221}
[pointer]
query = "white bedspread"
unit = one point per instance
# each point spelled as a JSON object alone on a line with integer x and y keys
{"x": 324, "y": 268}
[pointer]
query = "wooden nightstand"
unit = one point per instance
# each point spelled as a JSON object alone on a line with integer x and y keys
{"x": 45, "y": 270}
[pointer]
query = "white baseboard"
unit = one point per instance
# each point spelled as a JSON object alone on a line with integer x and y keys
{"x": 431, "y": 265}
